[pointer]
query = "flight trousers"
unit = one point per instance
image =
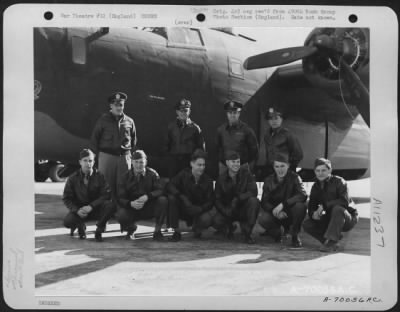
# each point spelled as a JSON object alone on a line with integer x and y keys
{"x": 154, "y": 208}
{"x": 246, "y": 213}
{"x": 331, "y": 226}
{"x": 114, "y": 167}
{"x": 101, "y": 214}
{"x": 199, "y": 220}
{"x": 296, "y": 214}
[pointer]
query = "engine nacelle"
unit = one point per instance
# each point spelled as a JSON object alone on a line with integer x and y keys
{"x": 352, "y": 44}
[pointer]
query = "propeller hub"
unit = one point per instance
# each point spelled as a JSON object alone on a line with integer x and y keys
{"x": 335, "y": 44}
{"x": 324, "y": 42}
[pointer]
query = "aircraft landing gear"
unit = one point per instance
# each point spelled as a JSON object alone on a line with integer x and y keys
{"x": 54, "y": 170}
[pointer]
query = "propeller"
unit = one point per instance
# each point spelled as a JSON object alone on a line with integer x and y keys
{"x": 355, "y": 82}
{"x": 357, "y": 88}
{"x": 322, "y": 43}
{"x": 328, "y": 55}
{"x": 278, "y": 57}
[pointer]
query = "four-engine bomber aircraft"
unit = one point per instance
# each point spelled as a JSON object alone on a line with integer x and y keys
{"x": 325, "y": 99}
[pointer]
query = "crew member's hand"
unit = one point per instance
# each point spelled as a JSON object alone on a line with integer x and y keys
{"x": 282, "y": 215}
{"x": 234, "y": 202}
{"x": 81, "y": 213}
{"x": 87, "y": 209}
{"x": 321, "y": 210}
{"x": 316, "y": 215}
{"x": 137, "y": 204}
{"x": 143, "y": 199}
{"x": 277, "y": 210}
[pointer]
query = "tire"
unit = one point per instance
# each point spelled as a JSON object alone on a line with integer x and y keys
{"x": 55, "y": 173}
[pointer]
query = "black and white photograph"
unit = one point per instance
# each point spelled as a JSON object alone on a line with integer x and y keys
{"x": 225, "y": 160}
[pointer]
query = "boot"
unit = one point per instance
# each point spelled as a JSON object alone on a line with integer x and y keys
{"x": 249, "y": 240}
{"x": 296, "y": 242}
{"x": 158, "y": 236}
{"x": 130, "y": 231}
{"x": 97, "y": 234}
{"x": 176, "y": 237}
{"x": 329, "y": 246}
{"x": 231, "y": 230}
{"x": 82, "y": 231}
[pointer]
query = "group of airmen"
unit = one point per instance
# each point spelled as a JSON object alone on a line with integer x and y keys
{"x": 124, "y": 186}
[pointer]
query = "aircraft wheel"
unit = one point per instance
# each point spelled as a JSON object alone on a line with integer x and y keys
{"x": 55, "y": 173}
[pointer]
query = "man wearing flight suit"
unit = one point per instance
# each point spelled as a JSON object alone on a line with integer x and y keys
{"x": 183, "y": 138}
{"x": 113, "y": 138}
{"x": 283, "y": 202}
{"x": 87, "y": 196}
{"x": 236, "y": 198}
{"x": 279, "y": 140}
{"x": 191, "y": 197}
{"x": 140, "y": 197}
{"x": 235, "y": 135}
{"x": 329, "y": 208}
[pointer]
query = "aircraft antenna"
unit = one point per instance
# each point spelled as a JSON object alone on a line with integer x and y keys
{"x": 341, "y": 90}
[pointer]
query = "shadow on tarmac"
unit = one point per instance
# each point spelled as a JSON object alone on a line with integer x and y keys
{"x": 115, "y": 249}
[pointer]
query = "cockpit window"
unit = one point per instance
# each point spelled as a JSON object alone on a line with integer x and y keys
{"x": 194, "y": 37}
{"x": 178, "y": 35}
{"x": 160, "y": 31}
{"x": 186, "y": 36}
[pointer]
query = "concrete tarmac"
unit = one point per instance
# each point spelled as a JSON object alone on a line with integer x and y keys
{"x": 213, "y": 265}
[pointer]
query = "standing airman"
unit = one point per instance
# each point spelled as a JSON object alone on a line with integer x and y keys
{"x": 183, "y": 138}
{"x": 279, "y": 140}
{"x": 113, "y": 139}
{"x": 235, "y": 135}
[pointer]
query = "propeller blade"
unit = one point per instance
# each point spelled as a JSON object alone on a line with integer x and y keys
{"x": 278, "y": 57}
{"x": 357, "y": 88}
{"x": 355, "y": 81}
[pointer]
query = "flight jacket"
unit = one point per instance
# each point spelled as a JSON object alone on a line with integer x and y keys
{"x": 114, "y": 136}
{"x": 76, "y": 194}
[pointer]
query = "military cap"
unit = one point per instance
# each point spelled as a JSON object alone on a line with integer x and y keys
{"x": 280, "y": 157}
{"x": 322, "y": 161}
{"x": 85, "y": 153}
{"x": 233, "y": 106}
{"x": 272, "y": 112}
{"x": 117, "y": 97}
{"x": 139, "y": 154}
{"x": 183, "y": 104}
{"x": 232, "y": 155}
